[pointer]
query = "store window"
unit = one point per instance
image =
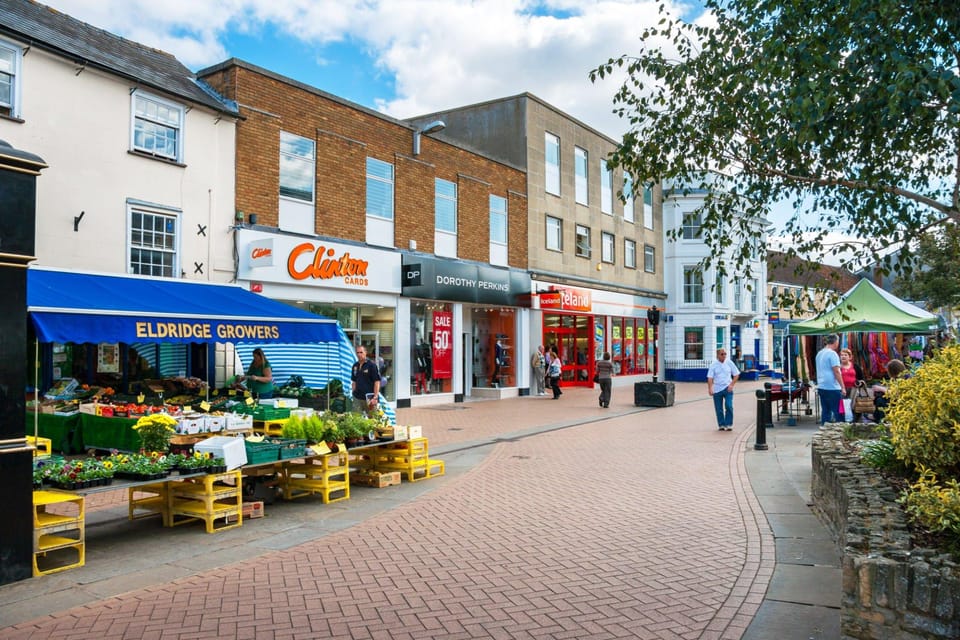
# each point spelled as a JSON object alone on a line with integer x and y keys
{"x": 606, "y": 188}
{"x": 297, "y": 173}
{"x": 573, "y": 336}
{"x": 9, "y": 80}
{"x": 737, "y": 294}
{"x": 648, "y": 207}
{"x": 498, "y": 219}
{"x": 153, "y": 242}
{"x": 629, "y": 253}
{"x": 495, "y": 360}
{"x": 583, "y": 241}
{"x": 552, "y": 163}
{"x": 691, "y": 226}
{"x": 379, "y": 189}
{"x": 754, "y": 295}
{"x": 720, "y": 287}
{"x": 693, "y": 343}
{"x": 157, "y": 127}
{"x": 607, "y": 247}
{"x": 580, "y": 179}
{"x": 649, "y": 258}
{"x": 431, "y": 355}
{"x": 554, "y": 234}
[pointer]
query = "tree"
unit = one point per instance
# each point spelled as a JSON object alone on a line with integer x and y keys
{"x": 847, "y": 109}
{"x": 937, "y": 280}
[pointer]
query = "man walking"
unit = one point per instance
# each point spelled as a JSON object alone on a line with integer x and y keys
{"x": 830, "y": 385}
{"x": 538, "y": 364}
{"x": 721, "y": 377}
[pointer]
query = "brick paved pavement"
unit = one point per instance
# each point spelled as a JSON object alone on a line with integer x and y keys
{"x": 576, "y": 522}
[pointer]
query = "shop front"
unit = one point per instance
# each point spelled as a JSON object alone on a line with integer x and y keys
{"x": 584, "y": 323}
{"x": 464, "y": 331}
{"x": 355, "y": 284}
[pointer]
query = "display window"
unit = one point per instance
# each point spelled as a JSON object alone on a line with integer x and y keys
{"x": 573, "y": 336}
{"x": 631, "y": 346}
{"x": 494, "y": 343}
{"x": 431, "y": 347}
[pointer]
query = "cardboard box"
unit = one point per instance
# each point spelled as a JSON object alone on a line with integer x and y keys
{"x": 249, "y": 510}
{"x": 415, "y": 432}
{"x": 215, "y": 424}
{"x": 376, "y": 479}
{"x": 238, "y": 422}
{"x": 230, "y": 448}
{"x": 400, "y": 432}
{"x": 89, "y": 408}
{"x": 281, "y": 403}
{"x": 191, "y": 425}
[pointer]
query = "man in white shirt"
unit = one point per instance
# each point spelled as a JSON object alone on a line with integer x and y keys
{"x": 721, "y": 378}
{"x": 830, "y": 386}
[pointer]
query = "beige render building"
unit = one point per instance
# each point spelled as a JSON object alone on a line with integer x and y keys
{"x": 595, "y": 259}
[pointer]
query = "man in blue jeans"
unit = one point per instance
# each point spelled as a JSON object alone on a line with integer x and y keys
{"x": 829, "y": 380}
{"x": 721, "y": 377}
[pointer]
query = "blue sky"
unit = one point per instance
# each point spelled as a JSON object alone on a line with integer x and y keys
{"x": 402, "y": 57}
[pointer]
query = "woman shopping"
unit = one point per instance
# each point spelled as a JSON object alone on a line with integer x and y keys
{"x": 556, "y": 368}
{"x": 259, "y": 376}
{"x": 851, "y": 374}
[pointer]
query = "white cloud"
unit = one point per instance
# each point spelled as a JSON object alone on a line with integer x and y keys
{"x": 440, "y": 53}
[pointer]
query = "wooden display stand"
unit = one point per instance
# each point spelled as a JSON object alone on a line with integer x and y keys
{"x": 59, "y": 534}
{"x": 208, "y": 498}
{"x": 148, "y": 500}
{"x": 322, "y": 475}
{"x": 410, "y": 457}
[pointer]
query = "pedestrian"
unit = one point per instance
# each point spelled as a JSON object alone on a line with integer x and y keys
{"x": 538, "y": 365}
{"x": 721, "y": 378}
{"x": 365, "y": 383}
{"x": 605, "y": 379}
{"x": 556, "y": 368}
{"x": 830, "y": 385}
{"x": 259, "y": 376}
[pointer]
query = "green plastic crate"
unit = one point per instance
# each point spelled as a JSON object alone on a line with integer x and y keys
{"x": 259, "y": 452}
{"x": 290, "y": 448}
{"x": 263, "y": 412}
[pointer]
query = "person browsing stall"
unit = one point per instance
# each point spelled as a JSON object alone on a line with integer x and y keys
{"x": 830, "y": 384}
{"x": 721, "y": 378}
{"x": 365, "y": 383}
{"x": 259, "y": 376}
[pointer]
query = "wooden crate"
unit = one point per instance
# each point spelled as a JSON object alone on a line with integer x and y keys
{"x": 376, "y": 479}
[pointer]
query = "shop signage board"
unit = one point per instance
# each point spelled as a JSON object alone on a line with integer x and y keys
{"x": 567, "y": 299}
{"x": 434, "y": 278}
{"x": 442, "y": 345}
{"x": 315, "y": 262}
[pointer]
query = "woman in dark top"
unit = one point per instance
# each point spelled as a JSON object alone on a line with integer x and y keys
{"x": 605, "y": 378}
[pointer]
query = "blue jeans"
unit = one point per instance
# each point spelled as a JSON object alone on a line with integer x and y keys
{"x": 723, "y": 405}
{"x": 830, "y": 405}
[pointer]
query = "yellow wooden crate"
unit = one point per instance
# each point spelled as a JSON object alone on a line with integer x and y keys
{"x": 43, "y": 447}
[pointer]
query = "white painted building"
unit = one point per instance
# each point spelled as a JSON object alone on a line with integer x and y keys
{"x": 141, "y": 155}
{"x": 706, "y": 311}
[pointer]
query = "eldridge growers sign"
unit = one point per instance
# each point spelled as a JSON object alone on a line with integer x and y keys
{"x": 438, "y": 279}
{"x": 206, "y": 331}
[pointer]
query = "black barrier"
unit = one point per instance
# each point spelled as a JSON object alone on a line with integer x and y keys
{"x": 763, "y": 406}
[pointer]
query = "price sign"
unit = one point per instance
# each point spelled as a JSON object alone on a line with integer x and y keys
{"x": 442, "y": 345}
{"x": 205, "y": 405}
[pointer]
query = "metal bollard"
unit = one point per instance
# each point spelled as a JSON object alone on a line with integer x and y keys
{"x": 762, "y": 404}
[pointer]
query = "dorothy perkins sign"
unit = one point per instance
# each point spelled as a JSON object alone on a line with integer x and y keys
{"x": 438, "y": 279}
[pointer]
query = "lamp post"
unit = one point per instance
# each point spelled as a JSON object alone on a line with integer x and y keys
{"x": 653, "y": 317}
{"x": 427, "y": 129}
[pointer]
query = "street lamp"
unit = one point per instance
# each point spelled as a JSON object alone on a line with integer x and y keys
{"x": 427, "y": 129}
{"x": 653, "y": 317}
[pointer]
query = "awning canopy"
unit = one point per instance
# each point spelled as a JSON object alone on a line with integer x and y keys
{"x": 86, "y": 307}
{"x": 868, "y": 308}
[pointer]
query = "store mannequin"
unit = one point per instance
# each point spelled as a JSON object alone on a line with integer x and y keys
{"x": 421, "y": 367}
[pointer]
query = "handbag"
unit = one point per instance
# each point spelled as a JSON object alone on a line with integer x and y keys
{"x": 862, "y": 398}
{"x": 596, "y": 377}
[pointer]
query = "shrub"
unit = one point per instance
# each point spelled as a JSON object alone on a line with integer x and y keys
{"x": 924, "y": 415}
{"x": 934, "y": 506}
{"x": 879, "y": 454}
{"x": 293, "y": 428}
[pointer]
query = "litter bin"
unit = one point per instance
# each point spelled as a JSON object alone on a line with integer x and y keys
{"x": 653, "y": 394}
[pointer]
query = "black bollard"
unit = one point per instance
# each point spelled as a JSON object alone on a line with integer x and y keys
{"x": 762, "y": 404}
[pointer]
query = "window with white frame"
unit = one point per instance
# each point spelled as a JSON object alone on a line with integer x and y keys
{"x": 775, "y": 297}
{"x": 754, "y": 295}
{"x": 627, "y": 198}
{"x": 649, "y": 258}
{"x": 648, "y": 207}
{"x": 297, "y": 172}
{"x": 379, "y": 189}
{"x": 720, "y": 290}
{"x": 737, "y": 294}
{"x": 552, "y": 168}
{"x": 153, "y": 242}
{"x": 580, "y": 178}
{"x": 554, "y": 234}
{"x": 606, "y": 188}
{"x": 693, "y": 343}
{"x": 498, "y": 219}
{"x": 607, "y": 247}
{"x": 629, "y": 253}
{"x": 9, "y": 80}
{"x": 583, "y": 241}
{"x": 692, "y": 285}
{"x": 691, "y": 225}
{"x": 445, "y": 205}
{"x": 157, "y": 127}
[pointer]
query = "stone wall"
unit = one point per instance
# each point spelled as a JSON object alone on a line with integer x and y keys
{"x": 891, "y": 590}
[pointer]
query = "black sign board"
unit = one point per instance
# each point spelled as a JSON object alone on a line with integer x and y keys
{"x": 439, "y": 279}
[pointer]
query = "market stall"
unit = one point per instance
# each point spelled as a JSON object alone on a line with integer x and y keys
{"x": 79, "y": 307}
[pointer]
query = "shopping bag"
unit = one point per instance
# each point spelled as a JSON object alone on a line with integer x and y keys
{"x": 847, "y": 409}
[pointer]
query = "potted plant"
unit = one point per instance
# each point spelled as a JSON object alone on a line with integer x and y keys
{"x": 155, "y": 431}
{"x": 201, "y": 462}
